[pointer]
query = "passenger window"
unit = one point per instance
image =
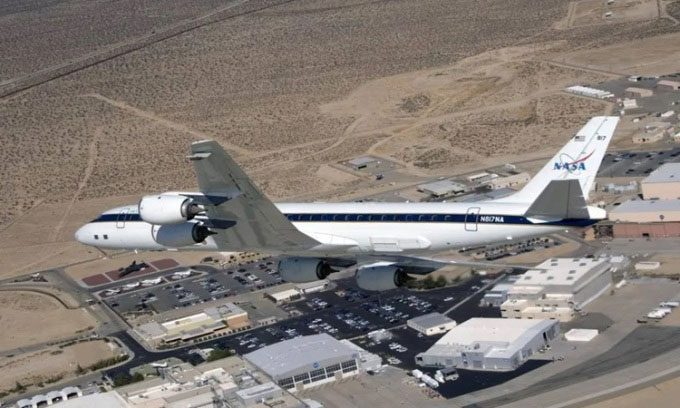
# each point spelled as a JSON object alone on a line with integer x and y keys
{"x": 106, "y": 236}
{"x": 96, "y": 236}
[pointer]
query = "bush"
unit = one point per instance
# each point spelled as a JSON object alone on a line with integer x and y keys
{"x": 107, "y": 362}
{"x": 125, "y": 379}
{"x": 219, "y": 353}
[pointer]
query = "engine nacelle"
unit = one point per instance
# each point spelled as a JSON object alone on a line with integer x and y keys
{"x": 379, "y": 278}
{"x": 180, "y": 235}
{"x": 166, "y": 209}
{"x": 300, "y": 270}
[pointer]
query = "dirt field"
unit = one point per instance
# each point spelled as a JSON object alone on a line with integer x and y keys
{"x": 54, "y": 363}
{"x": 29, "y": 318}
{"x": 663, "y": 395}
{"x": 290, "y": 89}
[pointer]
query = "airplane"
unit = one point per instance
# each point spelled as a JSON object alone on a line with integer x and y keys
{"x": 386, "y": 241}
{"x": 181, "y": 274}
{"x": 151, "y": 282}
{"x": 132, "y": 285}
{"x": 111, "y": 292}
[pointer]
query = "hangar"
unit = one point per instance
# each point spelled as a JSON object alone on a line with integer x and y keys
{"x": 306, "y": 361}
{"x": 431, "y": 324}
{"x": 490, "y": 344}
{"x": 663, "y": 183}
{"x": 557, "y": 288}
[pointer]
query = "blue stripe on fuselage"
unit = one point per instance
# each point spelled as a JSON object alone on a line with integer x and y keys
{"x": 401, "y": 218}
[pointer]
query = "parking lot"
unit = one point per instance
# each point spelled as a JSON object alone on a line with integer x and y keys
{"x": 349, "y": 312}
{"x": 636, "y": 164}
{"x": 212, "y": 284}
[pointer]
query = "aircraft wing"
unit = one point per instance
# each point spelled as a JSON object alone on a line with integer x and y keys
{"x": 237, "y": 211}
{"x": 415, "y": 265}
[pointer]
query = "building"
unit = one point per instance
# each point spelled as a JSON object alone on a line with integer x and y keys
{"x": 431, "y": 324}
{"x": 67, "y": 397}
{"x": 649, "y": 137}
{"x": 363, "y": 162}
{"x": 499, "y": 293}
{"x": 225, "y": 316}
{"x": 259, "y": 393}
{"x": 636, "y": 92}
{"x": 646, "y": 211}
{"x": 313, "y": 287}
{"x": 283, "y": 296}
{"x": 589, "y": 92}
{"x": 667, "y": 84}
{"x": 645, "y": 230}
{"x": 442, "y": 188}
{"x": 512, "y": 180}
{"x": 481, "y": 178}
{"x": 581, "y": 335}
{"x": 306, "y": 361}
{"x": 367, "y": 361}
{"x": 490, "y": 344}
{"x": 646, "y": 219}
{"x": 557, "y": 289}
{"x": 663, "y": 183}
{"x": 629, "y": 104}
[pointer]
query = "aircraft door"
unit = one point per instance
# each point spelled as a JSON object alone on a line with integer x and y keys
{"x": 471, "y": 219}
{"x": 122, "y": 215}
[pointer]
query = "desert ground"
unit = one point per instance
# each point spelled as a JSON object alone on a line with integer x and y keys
{"x": 291, "y": 90}
{"x": 53, "y": 364}
{"x": 662, "y": 395}
{"x": 23, "y": 316}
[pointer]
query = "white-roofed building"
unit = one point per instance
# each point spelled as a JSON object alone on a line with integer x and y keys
{"x": 283, "y": 296}
{"x": 431, "y": 323}
{"x": 490, "y": 344}
{"x": 442, "y": 188}
{"x": 668, "y": 84}
{"x": 663, "y": 183}
{"x": 259, "y": 393}
{"x": 306, "y": 361}
{"x": 363, "y": 162}
{"x": 227, "y": 315}
{"x": 557, "y": 288}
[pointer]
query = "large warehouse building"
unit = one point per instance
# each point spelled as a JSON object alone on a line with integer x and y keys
{"x": 490, "y": 344}
{"x": 307, "y": 361}
{"x": 557, "y": 288}
{"x": 663, "y": 183}
{"x": 212, "y": 319}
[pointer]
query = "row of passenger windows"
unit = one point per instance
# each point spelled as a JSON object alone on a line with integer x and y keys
{"x": 382, "y": 217}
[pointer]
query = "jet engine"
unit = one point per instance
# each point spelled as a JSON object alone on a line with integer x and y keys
{"x": 382, "y": 277}
{"x": 300, "y": 270}
{"x": 167, "y": 209}
{"x": 180, "y": 235}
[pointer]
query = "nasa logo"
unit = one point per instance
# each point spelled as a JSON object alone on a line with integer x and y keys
{"x": 570, "y": 164}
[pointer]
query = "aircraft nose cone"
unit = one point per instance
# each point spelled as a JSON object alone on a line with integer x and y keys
{"x": 81, "y": 234}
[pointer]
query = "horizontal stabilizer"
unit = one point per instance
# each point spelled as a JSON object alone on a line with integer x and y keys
{"x": 561, "y": 199}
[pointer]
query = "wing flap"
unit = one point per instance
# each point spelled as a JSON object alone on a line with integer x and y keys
{"x": 257, "y": 223}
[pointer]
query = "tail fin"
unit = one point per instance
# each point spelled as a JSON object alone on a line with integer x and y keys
{"x": 578, "y": 160}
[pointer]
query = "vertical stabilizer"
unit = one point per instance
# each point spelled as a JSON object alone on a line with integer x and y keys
{"x": 578, "y": 160}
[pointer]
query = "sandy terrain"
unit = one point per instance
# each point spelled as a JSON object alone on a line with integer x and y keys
{"x": 669, "y": 265}
{"x": 662, "y": 395}
{"x": 29, "y": 318}
{"x": 54, "y": 363}
{"x": 290, "y": 90}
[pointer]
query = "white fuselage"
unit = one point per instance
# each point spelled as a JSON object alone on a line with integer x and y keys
{"x": 354, "y": 227}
